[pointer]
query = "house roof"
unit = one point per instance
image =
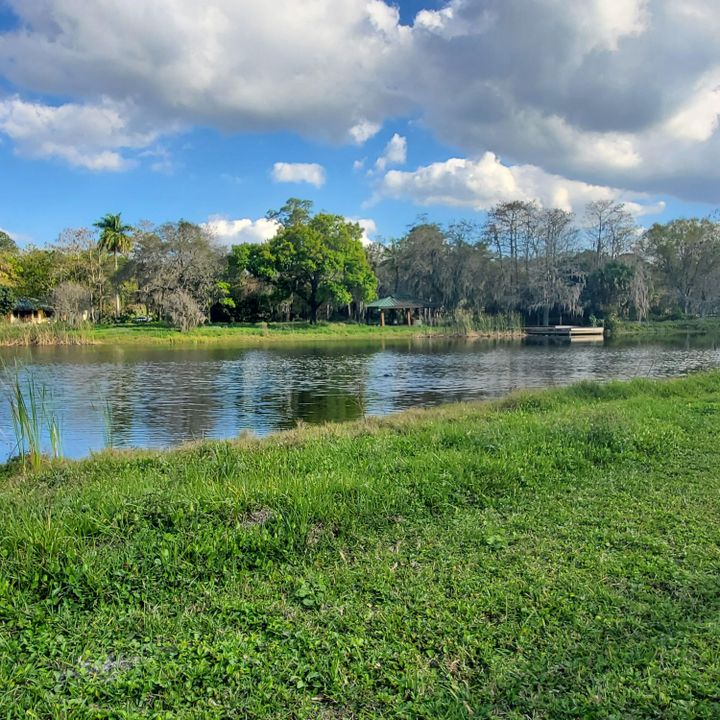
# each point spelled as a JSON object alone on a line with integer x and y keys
{"x": 393, "y": 303}
{"x": 27, "y": 305}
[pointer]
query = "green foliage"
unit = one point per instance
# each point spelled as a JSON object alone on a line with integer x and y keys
{"x": 555, "y": 553}
{"x": 317, "y": 258}
{"x": 36, "y": 269}
{"x": 115, "y": 237}
{"x": 7, "y": 244}
{"x": 607, "y": 290}
{"x": 176, "y": 267}
{"x": 687, "y": 256}
{"x": 30, "y": 418}
{"x": 7, "y": 300}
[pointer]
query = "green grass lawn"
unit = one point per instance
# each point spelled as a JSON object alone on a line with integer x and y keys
{"x": 553, "y": 555}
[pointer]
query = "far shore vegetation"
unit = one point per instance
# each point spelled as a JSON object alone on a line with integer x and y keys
{"x": 553, "y": 553}
{"x": 495, "y": 327}
{"x": 524, "y": 265}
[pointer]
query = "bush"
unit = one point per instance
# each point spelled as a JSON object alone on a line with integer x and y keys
{"x": 72, "y": 302}
{"x": 182, "y": 311}
{"x": 7, "y": 300}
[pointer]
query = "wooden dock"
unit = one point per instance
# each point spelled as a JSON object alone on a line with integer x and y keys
{"x": 571, "y": 332}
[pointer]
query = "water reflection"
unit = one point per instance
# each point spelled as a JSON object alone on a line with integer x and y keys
{"x": 153, "y": 397}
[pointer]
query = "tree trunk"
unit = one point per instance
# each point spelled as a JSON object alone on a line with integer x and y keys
{"x": 314, "y": 305}
{"x": 117, "y": 291}
{"x": 313, "y": 302}
{"x": 546, "y": 315}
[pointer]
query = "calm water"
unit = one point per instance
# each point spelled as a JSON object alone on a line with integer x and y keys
{"x": 131, "y": 397}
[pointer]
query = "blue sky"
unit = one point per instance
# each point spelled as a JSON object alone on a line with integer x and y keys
{"x": 377, "y": 112}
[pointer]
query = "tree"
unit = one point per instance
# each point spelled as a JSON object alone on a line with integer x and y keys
{"x": 554, "y": 279}
{"x": 7, "y": 244}
{"x": 115, "y": 238}
{"x": 80, "y": 259}
{"x": 182, "y": 310}
{"x": 686, "y": 254}
{"x": 72, "y": 302}
{"x": 610, "y": 228}
{"x": 608, "y": 289}
{"x": 293, "y": 212}
{"x": 36, "y": 273}
{"x": 174, "y": 264}
{"x": 509, "y": 231}
{"x": 319, "y": 259}
{"x": 7, "y": 300}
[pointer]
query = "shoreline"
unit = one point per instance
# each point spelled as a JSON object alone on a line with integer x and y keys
{"x": 249, "y": 335}
{"x": 232, "y": 336}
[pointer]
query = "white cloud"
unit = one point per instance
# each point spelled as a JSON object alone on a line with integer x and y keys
{"x": 395, "y": 153}
{"x": 480, "y": 184}
{"x": 363, "y": 131}
{"x": 359, "y": 164}
{"x": 620, "y": 93}
{"x": 244, "y": 230}
{"x": 606, "y": 22}
{"x": 324, "y": 68}
{"x": 311, "y": 173}
{"x": 88, "y": 136}
{"x": 698, "y": 119}
{"x": 369, "y": 228}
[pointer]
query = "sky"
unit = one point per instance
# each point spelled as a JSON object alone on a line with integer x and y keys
{"x": 217, "y": 111}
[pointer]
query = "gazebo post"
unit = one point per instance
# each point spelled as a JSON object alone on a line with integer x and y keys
{"x": 382, "y": 318}
{"x": 407, "y": 315}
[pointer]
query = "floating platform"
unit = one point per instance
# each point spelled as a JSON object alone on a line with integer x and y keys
{"x": 570, "y": 332}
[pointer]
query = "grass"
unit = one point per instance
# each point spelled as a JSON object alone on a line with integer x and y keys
{"x": 662, "y": 328}
{"x": 26, "y": 334}
{"x": 246, "y": 334}
{"x": 553, "y": 555}
{"x": 31, "y": 417}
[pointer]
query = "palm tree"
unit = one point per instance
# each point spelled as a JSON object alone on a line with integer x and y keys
{"x": 114, "y": 238}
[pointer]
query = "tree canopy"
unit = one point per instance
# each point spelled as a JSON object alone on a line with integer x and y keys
{"x": 318, "y": 258}
{"x": 544, "y": 263}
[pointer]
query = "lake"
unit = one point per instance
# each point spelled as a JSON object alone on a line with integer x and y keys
{"x": 158, "y": 397}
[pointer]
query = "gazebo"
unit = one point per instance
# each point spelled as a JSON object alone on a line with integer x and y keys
{"x": 404, "y": 307}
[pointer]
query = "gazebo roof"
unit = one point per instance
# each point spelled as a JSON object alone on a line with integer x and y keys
{"x": 28, "y": 305}
{"x": 393, "y": 303}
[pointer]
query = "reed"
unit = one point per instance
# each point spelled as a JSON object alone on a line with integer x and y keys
{"x": 31, "y": 417}
{"x": 27, "y": 335}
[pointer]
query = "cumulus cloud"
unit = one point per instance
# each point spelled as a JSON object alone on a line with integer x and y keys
{"x": 480, "y": 184}
{"x": 88, "y": 136}
{"x": 363, "y": 131}
{"x": 369, "y": 228}
{"x": 395, "y": 153}
{"x": 619, "y": 93}
{"x": 321, "y": 67}
{"x": 614, "y": 92}
{"x": 244, "y": 230}
{"x": 311, "y": 173}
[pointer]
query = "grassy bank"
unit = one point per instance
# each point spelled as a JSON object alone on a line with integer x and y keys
{"x": 242, "y": 334}
{"x": 554, "y": 555}
{"x": 25, "y": 335}
{"x": 665, "y": 328}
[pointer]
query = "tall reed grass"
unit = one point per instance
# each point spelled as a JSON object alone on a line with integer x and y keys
{"x": 31, "y": 419}
{"x": 25, "y": 335}
{"x": 465, "y": 322}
